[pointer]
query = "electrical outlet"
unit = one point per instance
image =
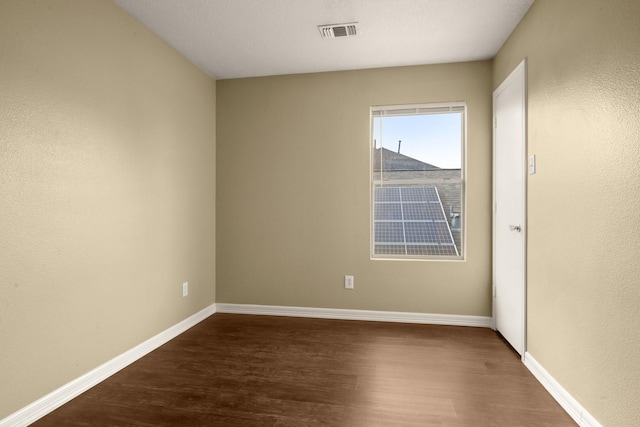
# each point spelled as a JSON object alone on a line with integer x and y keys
{"x": 185, "y": 289}
{"x": 348, "y": 282}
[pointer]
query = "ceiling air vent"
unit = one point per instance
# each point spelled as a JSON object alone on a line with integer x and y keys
{"x": 338, "y": 30}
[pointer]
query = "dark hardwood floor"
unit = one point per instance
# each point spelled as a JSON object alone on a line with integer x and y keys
{"x": 238, "y": 370}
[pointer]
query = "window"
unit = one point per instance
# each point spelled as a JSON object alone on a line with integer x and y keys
{"x": 417, "y": 181}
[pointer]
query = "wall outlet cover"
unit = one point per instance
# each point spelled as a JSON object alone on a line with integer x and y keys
{"x": 348, "y": 282}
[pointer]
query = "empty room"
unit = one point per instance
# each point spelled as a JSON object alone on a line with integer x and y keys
{"x": 321, "y": 212}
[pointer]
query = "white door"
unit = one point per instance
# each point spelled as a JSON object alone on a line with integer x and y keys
{"x": 509, "y": 228}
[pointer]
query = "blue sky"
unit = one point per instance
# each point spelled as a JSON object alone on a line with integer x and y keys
{"x": 432, "y": 138}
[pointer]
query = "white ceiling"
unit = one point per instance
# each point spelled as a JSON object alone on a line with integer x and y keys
{"x": 248, "y": 38}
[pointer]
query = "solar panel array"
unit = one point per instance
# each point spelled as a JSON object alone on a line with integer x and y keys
{"x": 410, "y": 221}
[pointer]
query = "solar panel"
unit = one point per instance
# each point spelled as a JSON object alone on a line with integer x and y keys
{"x": 427, "y": 232}
{"x": 410, "y": 220}
{"x": 389, "y": 232}
{"x": 419, "y": 194}
{"x": 431, "y": 250}
{"x": 387, "y": 194}
{"x": 422, "y": 212}
{"x": 391, "y": 249}
{"x": 387, "y": 212}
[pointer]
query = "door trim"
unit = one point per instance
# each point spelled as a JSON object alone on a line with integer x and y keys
{"x": 521, "y": 68}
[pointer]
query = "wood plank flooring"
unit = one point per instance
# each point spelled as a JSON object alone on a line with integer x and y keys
{"x": 239, "y": 370}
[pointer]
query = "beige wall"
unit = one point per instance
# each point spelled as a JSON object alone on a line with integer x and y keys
{"x": 584, "y": 205}
{"x": 107, "y": 175}
{"x": 293, "y": 192}
{"x": 107, "y": 164}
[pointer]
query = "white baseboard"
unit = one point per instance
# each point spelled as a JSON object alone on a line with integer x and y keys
{"x": 64, "y": 394}
{"x": 376, "y": 316}
{"x": 562, "y": 396}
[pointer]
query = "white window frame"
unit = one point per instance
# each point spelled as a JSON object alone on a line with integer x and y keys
{"x": 420, "y": 109}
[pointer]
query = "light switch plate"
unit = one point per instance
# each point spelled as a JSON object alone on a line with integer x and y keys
{"x": 532, "y": 164}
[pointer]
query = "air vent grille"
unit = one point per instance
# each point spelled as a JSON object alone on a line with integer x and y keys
{"x": 338, "y": 30}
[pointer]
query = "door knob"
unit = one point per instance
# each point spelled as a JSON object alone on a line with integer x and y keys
{"x": 515, "y": 228}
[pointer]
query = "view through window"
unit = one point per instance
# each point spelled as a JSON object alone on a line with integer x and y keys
{"x": 417, "y": 179}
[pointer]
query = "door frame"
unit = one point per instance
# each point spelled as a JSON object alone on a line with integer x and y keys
{"x": 521, "y": 68}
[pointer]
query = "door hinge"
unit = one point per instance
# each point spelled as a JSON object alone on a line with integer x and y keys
{"x": 495, "y": 122}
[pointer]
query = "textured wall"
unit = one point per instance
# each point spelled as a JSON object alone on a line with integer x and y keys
{"x": 584, "y": 209}
{"x": 293, "y": 192}
{"x": 107, "y": 175}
